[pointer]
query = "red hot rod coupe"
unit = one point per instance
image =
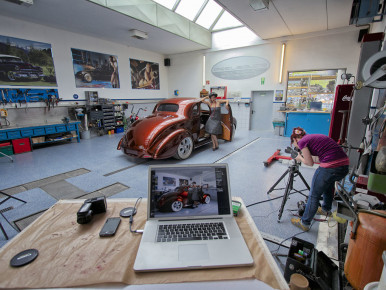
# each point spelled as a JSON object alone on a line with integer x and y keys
{"x": 178, "y": 198}
{"x": 175, "y": 127}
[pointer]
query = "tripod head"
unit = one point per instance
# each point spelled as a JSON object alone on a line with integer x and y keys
{"x": 293, "y": 151}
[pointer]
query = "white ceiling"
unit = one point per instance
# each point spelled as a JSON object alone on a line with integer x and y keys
{"x": 283, "y": 18}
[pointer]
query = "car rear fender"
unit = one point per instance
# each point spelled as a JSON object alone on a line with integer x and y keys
{"x": 168, "y": 141}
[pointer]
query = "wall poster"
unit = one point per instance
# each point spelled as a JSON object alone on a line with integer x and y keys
{"x": 94, "y": 69}
{"x": 144, "y": 75}
{"x": 26, "y": 63}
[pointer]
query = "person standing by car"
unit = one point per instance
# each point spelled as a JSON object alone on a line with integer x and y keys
{"x": 114, "y": 76}
{"x": 213, "y": 125}
{"x": 333, "y": 167}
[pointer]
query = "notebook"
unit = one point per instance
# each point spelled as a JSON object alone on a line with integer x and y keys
{"x": 190, "y": 223}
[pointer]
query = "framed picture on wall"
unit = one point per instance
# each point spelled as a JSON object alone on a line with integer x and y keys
{"x": 220, "y": 91}
{"x": 94, "y": 69}
{"x": 26, "y": 63}
{"x": 279, "y": 96}
{"x": 144, "y": 75}
{"x": 168, "y": 181}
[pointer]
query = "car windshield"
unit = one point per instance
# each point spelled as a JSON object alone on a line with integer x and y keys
{"x": 167, "y": 108}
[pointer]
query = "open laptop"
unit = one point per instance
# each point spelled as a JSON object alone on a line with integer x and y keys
{"x": 190, "y": 223}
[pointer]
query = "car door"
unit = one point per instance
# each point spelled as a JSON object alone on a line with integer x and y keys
{"x": 227, "y": 123}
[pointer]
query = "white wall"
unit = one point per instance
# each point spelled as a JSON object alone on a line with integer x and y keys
{"x": 62, "y": 42}
{"x": 320, "y": 52}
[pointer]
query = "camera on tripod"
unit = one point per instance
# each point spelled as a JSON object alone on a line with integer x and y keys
{"x": 89, "y": 208}
{"x": 293, "y": 151}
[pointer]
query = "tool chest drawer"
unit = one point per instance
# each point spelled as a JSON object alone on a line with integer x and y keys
{"x": 26, "y": 132}
{"x": 50, "y": 130}
{"x": 71, "y": 127}
{"x": 3, "y": 136}
{"x": 39, "y": 131}
{"x": 14, "y": 134}
{"x": 21, "y": 145}
{"x": 61, "y": 128}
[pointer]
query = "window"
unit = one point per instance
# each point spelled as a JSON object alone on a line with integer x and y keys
{"x": 167, "y": 108}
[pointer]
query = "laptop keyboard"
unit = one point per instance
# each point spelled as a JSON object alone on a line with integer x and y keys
{"x": 191, "y": 232}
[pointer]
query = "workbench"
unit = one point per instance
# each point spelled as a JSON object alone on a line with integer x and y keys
{"x": 37, "y": 130}
{"x": 73, "y": 255}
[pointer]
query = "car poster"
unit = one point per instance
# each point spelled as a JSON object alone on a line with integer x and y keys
{"x": 94, "y": 69}
{"x": 144, "y": 75}
{"x": 26, "y": 63}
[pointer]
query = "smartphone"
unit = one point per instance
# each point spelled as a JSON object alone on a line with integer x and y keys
{"x": 110, "y": 227}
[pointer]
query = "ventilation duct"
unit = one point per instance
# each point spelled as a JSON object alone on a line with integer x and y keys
{"x": 138, "y": 34}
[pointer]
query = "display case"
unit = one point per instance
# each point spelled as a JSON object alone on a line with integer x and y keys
{"x": 311, "y": 90}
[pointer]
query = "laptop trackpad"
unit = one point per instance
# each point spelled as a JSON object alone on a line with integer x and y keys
{"x": 193, "y": 252}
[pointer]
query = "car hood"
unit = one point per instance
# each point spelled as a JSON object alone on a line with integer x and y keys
{"x": 146, "y": 130}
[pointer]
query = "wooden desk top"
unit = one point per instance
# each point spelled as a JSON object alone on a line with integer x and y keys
{"x": 73, "y": 255}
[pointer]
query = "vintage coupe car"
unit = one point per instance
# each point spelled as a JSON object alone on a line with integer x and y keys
{"x": 175, "y": 127}
{"x": 90, "y": 73}
{"x": 13, "y": 68}
{"x": 177, "y": 199}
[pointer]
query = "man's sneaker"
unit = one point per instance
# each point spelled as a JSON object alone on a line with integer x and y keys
{"x": 298, "y": 223}
{"x": 322, "y": 212}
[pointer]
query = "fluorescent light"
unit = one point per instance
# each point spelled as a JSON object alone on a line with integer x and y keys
{"x": 203, "y": 71}
{"x": 281, "y": 62}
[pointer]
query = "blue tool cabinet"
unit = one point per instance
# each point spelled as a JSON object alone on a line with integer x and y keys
{"x": 311, "y": 122}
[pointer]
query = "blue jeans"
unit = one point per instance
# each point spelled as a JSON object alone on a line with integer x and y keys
{"x": 322, "y": 184}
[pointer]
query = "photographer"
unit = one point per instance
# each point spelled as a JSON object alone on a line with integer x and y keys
{"x": 333, "y": 167}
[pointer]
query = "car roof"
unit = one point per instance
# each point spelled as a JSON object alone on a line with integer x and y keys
{"x": 7, "y": 55}
{"x": 184, "y": 104}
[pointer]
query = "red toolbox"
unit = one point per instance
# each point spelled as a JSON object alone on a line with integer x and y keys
{"x": 21, "y": 145}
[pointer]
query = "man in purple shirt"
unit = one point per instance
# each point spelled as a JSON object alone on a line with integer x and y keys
{"x": 333, "y": 167}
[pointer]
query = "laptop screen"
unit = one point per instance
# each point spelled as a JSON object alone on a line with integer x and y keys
{"x": 180, "y": 191}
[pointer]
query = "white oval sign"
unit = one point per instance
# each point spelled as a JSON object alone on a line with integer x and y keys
{"x": 240, "y": 67}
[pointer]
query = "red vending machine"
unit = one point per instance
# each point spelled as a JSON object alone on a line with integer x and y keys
{"x": 340, "y": 112}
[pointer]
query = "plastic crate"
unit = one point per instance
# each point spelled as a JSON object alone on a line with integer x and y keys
{"x": 7, "y": 150}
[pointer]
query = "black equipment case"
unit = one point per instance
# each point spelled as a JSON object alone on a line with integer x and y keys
{"x": 303, "y": 258}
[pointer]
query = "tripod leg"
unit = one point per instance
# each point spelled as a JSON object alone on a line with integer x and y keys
{"x": 286, "y": 194}
{"x": 304, "y": 181}
{"x": 277, "y": 182}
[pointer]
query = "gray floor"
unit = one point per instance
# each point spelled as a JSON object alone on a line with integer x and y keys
{"x": 94, "y": 166}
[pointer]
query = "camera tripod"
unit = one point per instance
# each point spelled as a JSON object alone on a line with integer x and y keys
{"x": 293, "y": 171}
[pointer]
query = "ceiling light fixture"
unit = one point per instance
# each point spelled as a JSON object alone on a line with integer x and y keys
{"x": 281, "y": 62}
{"x": 138, "y": 34}
{"x": 259, "y": 5}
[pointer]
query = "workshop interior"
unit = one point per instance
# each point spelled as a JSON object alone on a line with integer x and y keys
{"x": 149, "y": 144}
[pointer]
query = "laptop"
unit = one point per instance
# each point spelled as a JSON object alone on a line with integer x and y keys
{"x": 190, "y": 223}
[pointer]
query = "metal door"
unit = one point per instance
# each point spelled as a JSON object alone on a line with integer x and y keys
{"x": 261, "y": 111}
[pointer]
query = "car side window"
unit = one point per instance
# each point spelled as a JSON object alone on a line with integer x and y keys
{"x": 195, "y": 111}
{"x": 167, "y": 108}
{"x": 204, "y": 107}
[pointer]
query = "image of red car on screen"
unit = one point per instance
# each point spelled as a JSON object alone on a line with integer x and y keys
{"x": 181, "y": 197}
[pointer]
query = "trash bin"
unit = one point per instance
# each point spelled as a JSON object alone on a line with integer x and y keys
{"x": 278, "y": 127}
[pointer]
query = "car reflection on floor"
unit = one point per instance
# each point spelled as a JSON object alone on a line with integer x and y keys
{"x": 200, "y": 210}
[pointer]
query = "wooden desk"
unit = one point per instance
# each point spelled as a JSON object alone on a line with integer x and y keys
{"x": 72, "y": 255}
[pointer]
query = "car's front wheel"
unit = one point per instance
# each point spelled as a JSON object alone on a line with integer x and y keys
{"x": 11, "y": 76}
{"x": 185, "y": 148}
{"x": 87, "y": 77}
{"x": 176, "y": 205}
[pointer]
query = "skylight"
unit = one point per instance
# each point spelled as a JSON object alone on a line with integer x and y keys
{"x": 227, "y": 21}
{"x": 206, "y": 13}
{"x": 189, "y": 8}
{"x": 209, "y": 14}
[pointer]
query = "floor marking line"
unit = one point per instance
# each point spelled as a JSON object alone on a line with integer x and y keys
{"x": 235, "y": 151}
{"x": 123, "y": 169}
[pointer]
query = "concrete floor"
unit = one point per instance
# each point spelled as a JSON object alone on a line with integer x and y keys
{"x": 94, "y": 167}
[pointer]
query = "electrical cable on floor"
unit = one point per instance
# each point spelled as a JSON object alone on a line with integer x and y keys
{"x": 132, "y": 218}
